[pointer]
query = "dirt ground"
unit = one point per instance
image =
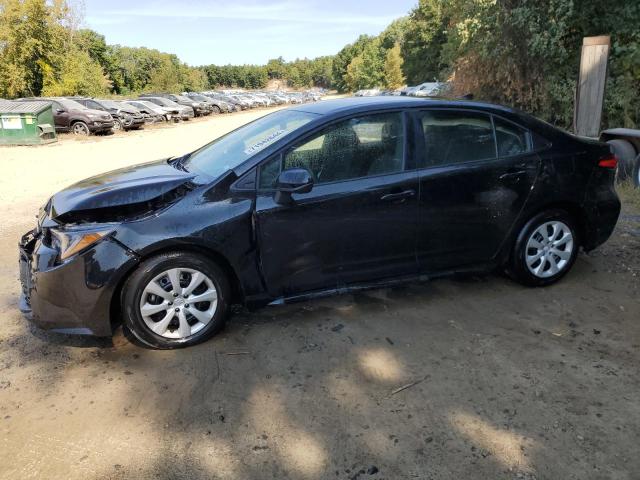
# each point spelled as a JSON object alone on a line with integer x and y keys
{"x": 501, "y": 381}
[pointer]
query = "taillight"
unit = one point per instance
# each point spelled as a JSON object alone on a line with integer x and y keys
{"x": 610, "y": 161}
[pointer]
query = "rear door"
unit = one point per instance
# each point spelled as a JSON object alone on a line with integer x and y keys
{"x": 475, "y": 174}
{"x": 359, "y": 221}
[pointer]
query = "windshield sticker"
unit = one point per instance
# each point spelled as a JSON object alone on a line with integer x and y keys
{"x": 263, "y": 143}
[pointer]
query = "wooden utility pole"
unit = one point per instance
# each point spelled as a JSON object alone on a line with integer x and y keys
{"x": 591, "y": 85}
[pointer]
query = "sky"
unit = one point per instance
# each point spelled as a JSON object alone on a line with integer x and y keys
{"x": 218, "y": 32}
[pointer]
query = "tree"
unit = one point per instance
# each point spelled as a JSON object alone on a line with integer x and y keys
{"x": 393, "y": 76}
{"x": 78, "y": 74}
{"x": 424, "y": 38}
{"x": 366, "y": 70}
{"x": 342, "y": 60}
{"x": 26, "y": 44}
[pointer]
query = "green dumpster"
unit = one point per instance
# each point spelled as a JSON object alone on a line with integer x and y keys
{"x": 26, "y": 123}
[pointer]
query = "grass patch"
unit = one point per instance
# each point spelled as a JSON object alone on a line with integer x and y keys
{"x": 629, "y": 195}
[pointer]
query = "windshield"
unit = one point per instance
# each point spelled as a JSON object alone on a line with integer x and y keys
{"x": 182, "y": 98}
{"x": 147, "y": 105}
{"x": 236, "y": 147}
{"x": 110, "y": 104}
{"x": 165, "y": 102}
{"x": 70, "y": 104}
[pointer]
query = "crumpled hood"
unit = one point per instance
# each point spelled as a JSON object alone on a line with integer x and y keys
{"x": 124, "y": 187}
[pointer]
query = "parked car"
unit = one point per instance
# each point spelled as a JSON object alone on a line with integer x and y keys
{"x": 309, "y": 201}
{"x": 184, "y": 112}
{"x": 427, "y": 89}
{"x": 159, "y": 113}
{"x": 226, "y": 98}
{"x": 71, "y": 116}
{"x": 215, "y": 106}
{"x": 148, "y": 117}
{"x": 124, "y": 117}
{"x": 199, "y": 108}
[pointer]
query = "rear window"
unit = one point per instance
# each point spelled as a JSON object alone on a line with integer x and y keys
{"x": 453, "y": 137}
{"x": 512, "y": 139}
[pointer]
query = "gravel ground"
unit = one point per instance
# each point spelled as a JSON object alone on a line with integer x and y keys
{"x": 474, "y": 377}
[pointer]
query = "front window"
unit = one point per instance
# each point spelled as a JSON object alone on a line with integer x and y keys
{"x": 235, "y": 148}
{"x": 359, "y": 147}
{"x": 70, "y": 104}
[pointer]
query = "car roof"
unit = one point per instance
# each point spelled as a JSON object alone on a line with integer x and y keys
{"x": 357, "y": 104}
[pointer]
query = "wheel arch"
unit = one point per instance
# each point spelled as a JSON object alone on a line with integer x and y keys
{"x": 237, "y": 292}
{"x": 574, "y": 209}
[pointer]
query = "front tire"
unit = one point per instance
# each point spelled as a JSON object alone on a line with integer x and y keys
{"x": 175, "y": 300}
{"x": 80, "y": 128}
{"x": 545, "y": 249}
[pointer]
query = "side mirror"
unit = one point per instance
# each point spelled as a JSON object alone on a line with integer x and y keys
{"x": 293, "y": 180}
{"x": 60, "y": 110}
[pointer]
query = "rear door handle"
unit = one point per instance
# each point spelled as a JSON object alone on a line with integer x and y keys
{"x": 512, "y": 174}
{"x": 390, "y": 197}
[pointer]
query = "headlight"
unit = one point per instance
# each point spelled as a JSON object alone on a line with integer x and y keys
{"x": 70, "y": 242}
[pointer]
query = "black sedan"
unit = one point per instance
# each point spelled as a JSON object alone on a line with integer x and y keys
{"x": 311, "y": 200}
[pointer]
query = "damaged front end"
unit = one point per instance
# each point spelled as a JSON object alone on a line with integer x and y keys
{"x": 71, "y": 263}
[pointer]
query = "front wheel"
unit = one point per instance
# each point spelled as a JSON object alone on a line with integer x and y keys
{"x": 175, "y": 300}
{"x": 545, "y": 249}
{"x": 80, "y": 128}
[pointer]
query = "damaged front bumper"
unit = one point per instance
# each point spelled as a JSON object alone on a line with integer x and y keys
{"x": 72, "y": 296}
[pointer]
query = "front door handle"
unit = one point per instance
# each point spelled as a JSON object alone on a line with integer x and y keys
{"x": 391, "y": 197}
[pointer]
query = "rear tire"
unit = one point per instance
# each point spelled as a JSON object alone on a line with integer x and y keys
{"x": 545, "y": 249}
{"x": 165, "y": 315}
{"x": 626, "y": 154}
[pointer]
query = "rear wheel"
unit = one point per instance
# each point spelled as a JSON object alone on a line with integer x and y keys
{"x": 545, "y": 249}
{"x": 80, "y": 128}
{"x": 175, "y": 300}
{"x": 215, "y": 109}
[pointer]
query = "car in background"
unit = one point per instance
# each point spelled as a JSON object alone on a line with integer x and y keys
{"x": 427, "y": 89}
{"x": 149, "y": 118}
{"x": 216, "y": 106}
{"x": 199, "y": 108}
{"x": 124, "y": 117}
{"x": 71, "y": 116}
{"x": 329, "y": 198}
{"x": 157, "y": 112}
{"x": 184, "y": 112}
{"x": 237, "y": 106}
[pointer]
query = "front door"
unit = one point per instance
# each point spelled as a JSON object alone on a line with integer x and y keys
{"x": 60, "y": 116}
{"x": 477, "y": 172}
{"x": 359, "y": 221}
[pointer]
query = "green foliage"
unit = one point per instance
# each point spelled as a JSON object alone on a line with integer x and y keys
{"x": 26, "y": 41}
{"x": 425, "y": 35}
{"x": 77, "y": 74}
{"x": 342, "y": 60}
{"x": 366, "y": 70}
{"x": 393, "y": 76}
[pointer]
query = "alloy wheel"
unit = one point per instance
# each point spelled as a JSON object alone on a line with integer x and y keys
{"x": 80, "y": 129}
{"x": 549, "y": 249}
{"x": 178, "y": 303}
